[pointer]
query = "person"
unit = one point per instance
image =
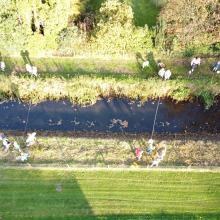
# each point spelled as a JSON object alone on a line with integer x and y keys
{"x": 150, "y": 147}
{"x": 17, "y": 147}
{"x": 167, "y": 74}
{"x": 161, "y": 65}
{"x": 138, "y": 153}
{"x": 2, "y": 66}
{"x": 161, "y": 72}
{"x": 2, "y": 136}
{"x": 155, "y": 163}
{"x": 196, "y": 61}
{"x": 31, "y": 69}
{"x": 146, "y": 63}
{"x": 31, "y": 139}
{"x": 161, "y": 153}
{"x": 216, "y": 67}
{"x": 6, "y": 144}
{"x": 23, "y": 157}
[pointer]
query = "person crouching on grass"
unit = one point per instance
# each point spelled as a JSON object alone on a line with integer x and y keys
{"x": 196, "y": 61}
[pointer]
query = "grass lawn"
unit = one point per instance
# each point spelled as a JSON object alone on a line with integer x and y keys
{"x": 83, "y": 81}
{"x": 77, "y": 150}
{"x": 53, "y": 194}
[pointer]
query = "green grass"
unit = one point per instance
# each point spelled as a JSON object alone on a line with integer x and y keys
{"x": 84, "y": 81}
{"x": 50, "y": 194}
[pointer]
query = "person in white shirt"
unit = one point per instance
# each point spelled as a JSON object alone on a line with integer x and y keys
{"x": 2, "y": 66}
{"x": 196, "y": 61}
{"x": 31, "y": 139}
{"x": 146, "y": 63}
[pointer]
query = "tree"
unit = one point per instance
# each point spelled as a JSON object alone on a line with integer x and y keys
{"x": 116, "y": 32}
{"x": 191, "y": 23}
{"x": 35, "y": 25}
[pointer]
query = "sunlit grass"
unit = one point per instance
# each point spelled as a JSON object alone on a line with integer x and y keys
{"x": 44, "y": 194}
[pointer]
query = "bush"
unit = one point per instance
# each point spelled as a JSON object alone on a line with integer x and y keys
{"x": 72, "y": 41}
{"x": 116, "y": 32}
{"x": 207, "y": 98}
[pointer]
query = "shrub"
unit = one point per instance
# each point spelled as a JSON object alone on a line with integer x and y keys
{"x": 116, "y": 32}
{"x": 207, "y": 98}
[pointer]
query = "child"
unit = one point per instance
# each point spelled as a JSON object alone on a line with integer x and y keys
{"x": 31, "y": 139}
{"x": 138, "y": 153}
{"x": 145, "y": 64}
{"x": 216, "y": 67}
{"x": 150, "y": 147}
{"x": 196, "y": 61}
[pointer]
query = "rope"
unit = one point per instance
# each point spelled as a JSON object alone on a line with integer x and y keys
{"x": 155, "y": 118}
{"x": 27, "y": 119}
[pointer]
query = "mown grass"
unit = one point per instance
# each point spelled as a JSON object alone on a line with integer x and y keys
{"x": 51, "y": 194}
{"x": 83, "y": 81}
{"x": 79, "y": 150}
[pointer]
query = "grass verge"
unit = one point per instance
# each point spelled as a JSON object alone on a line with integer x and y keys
{"x": 102, "y": 195}
{"x": 84, "y": 81}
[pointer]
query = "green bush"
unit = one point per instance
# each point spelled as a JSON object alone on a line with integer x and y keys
{"x": 116, "y": 32}
{"x": 207, "y": 98}
{"x": 72, "y": 41}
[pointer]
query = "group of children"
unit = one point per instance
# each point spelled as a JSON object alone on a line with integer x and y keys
{"x": 150, "y": 150}
{"x": 6, "y": 144}
{"x": 163, "y": 72}
{"x": 195, "y": 62}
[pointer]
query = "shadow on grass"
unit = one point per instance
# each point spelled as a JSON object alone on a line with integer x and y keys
{"x": 71, "y": 68}
{"x": 25, "y": 56}
{"x": 36, "y": 194}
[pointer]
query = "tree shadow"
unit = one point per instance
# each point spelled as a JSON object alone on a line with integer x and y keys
{"x": 45, "y": 194}
{"x": 146, "y": 12}
{"x": 15, "y": 91}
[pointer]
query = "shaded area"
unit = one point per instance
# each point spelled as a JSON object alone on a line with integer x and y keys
{"x": 92, "y": 5}
{"x": 146, "y": 11}
{"x": 111, "y": 116}
{"x": 25, "y": 56}
{"x": 41, "y": 195}
{"x": 68, "y": 68}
